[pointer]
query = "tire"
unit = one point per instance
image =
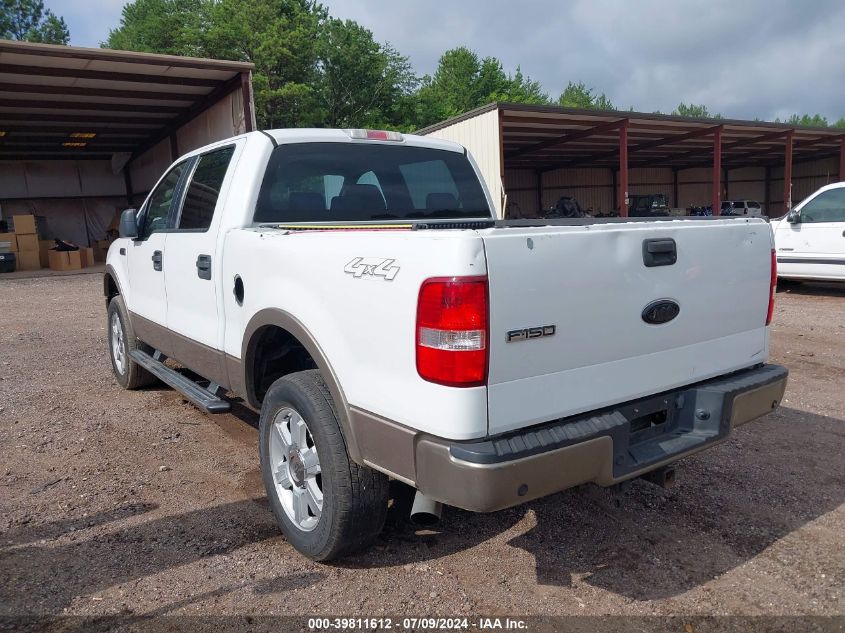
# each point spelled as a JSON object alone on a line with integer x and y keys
{"x": 128, "y": 373}
{"x": 350, "y": 510}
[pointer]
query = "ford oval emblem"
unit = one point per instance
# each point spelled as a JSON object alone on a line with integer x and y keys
{"x": 660, "y": 311}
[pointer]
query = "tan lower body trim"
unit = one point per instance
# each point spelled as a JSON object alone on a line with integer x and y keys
{"x": 208, "y": 362}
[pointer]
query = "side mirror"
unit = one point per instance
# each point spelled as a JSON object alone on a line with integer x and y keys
{"x": 793, "y": 217}
{"x": 129, "y": 223}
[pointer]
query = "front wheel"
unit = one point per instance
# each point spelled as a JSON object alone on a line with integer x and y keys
{"x": 326, "y": 505}
{"x": 121, "y": 340}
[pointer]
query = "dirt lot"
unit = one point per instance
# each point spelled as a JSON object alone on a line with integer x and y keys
{"x": 119, "y": 502}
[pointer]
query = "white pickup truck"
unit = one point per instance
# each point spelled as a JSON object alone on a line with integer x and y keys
{"x": 354, "y": 287}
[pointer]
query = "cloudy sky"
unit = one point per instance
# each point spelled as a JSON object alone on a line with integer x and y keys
{"x": 743, "y": 58}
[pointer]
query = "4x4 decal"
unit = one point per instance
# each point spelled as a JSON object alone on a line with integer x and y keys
{"x": 372, "y": 266}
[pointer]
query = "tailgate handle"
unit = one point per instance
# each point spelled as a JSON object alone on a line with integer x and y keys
{"x": 659, "y": 252}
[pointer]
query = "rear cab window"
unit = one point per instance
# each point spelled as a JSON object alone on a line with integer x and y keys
{"x": 368, "y": 182}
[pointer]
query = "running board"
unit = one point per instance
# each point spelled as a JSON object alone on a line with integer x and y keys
{"x": 201, "y": 397}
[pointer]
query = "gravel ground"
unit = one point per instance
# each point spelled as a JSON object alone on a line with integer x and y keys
{"x": 135, "y": 503}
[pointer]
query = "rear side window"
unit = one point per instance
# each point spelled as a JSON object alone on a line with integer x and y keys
{"x": 825, "y": 207}
{"x": 351, "y": 182}
{"x": 753, "y": 205}
{"x": 204, "y": 190}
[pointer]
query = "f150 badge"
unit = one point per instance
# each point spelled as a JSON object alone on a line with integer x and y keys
{"x": 372, "y": 266}
{"x": 531, "y": 332}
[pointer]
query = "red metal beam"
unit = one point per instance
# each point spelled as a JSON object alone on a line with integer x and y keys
{"x": 717, "y": 171}
{"x": 623, "y": 169}
{"x": 787, "y": 172}
{"x": 246, "y": 95}
{"x": 842, "y": 160}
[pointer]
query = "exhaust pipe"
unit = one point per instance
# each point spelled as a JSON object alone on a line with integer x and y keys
{"x": 425, "y": 512}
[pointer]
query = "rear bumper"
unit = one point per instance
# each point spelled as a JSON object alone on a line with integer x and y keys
{"x": 604, "y": 447}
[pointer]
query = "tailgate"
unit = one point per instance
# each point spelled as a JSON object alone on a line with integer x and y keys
{"x": 591, "y": 283}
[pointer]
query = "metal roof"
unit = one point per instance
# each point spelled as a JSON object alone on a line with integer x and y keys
{"x": 54, "y": 98}
{"x": 551, "y": 137}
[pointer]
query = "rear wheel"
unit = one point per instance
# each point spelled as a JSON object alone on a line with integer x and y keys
{"x": 326, "y": 504}
{"x": 121, "y": 340}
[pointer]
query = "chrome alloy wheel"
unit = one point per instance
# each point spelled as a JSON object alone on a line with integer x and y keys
{"x": 296, "y": 469}
{"x": 118, "y": 348}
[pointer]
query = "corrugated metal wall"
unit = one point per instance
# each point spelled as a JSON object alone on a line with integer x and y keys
{"x": 593, "y": 187}
{"x": 481, "y": 136}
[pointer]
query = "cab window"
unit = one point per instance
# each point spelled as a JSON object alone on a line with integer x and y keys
{"x": 204, "y": 189}
{"x": 157, "y": 212}
{"x": 825, "y": 207}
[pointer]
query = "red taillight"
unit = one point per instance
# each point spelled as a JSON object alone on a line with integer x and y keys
{"x": 772, "y": 288}
{"x": 452, "y": 331}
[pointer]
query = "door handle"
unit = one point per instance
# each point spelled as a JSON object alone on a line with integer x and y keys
{"x": 659, "y": 252}
{"x": 157, "y": 259}
{"x": 204, "y": 266}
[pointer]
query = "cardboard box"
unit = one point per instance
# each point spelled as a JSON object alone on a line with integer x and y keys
{"x": 65, "y": 260}
{"x": 44, "y": 247}
{"x": 27, "y": 243}
{"x": 87, "y": 256}
{"x": 29, "y": 260}
{"x": 25, "y": 225}
{"x": 12, "y": 239}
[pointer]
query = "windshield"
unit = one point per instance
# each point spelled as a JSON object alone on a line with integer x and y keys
{"x": 354, "y": 182}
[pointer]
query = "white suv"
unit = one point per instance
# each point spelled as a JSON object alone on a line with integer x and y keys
{"x": 742, "y": 207}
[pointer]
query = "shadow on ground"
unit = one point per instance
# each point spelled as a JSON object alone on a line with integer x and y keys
{"x": 812, "y": 288}
{"x": 732, "y": 502}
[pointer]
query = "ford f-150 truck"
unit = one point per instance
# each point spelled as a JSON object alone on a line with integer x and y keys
{"x": 355, "y": 288}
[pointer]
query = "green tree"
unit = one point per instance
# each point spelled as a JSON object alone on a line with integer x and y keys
{"x": 27, "y": 20}
{"x": 813, "y": 120}
{"x": 158, "y": 26}
{"x": 694, "y": 111}
{"x": 462, "y": 82}
{"x": 521, "y": 89}
{"x": 361, "y": 83}
{"x": 281, "y": 38}
{"x": 839, "y": 123}
{"x": 578, "y": 95}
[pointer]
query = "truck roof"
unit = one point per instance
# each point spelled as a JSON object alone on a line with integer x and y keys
{"x": 321, "y": 135}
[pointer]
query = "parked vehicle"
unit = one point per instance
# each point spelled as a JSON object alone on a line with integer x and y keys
{"x": 355, "y": 288}
{"x": 742, "y": 207}
{"x": 565, "y": 207}
{"x": 702, "y": 211}
{"x": 651, "y": 205}
{"x": 810, "y": 239}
